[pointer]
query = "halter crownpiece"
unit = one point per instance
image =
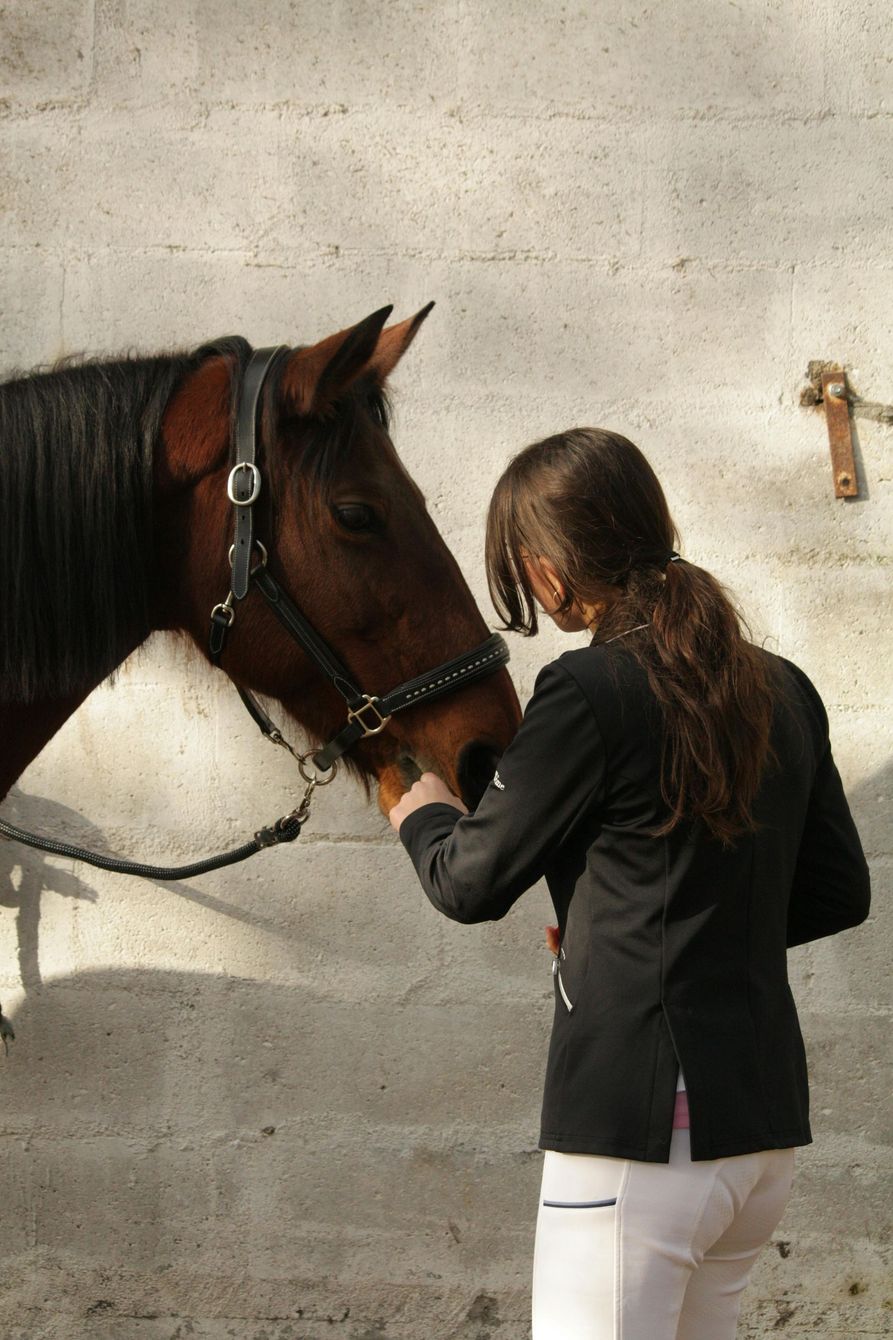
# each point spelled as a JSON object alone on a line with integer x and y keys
{"x": 243, "y": 485}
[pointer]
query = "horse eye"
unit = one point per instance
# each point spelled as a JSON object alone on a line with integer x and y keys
{"x": 356, "y": 516}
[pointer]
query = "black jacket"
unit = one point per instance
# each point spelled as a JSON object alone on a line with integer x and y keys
{"x": 672, "y": 949}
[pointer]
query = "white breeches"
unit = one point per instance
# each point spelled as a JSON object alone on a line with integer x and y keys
{"x": 651, "y": 1251}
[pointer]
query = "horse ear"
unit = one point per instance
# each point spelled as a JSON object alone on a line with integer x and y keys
{"x": 316, "y": 376}
{"x": 394, "y": 342}
{"x": 195, "y": 426}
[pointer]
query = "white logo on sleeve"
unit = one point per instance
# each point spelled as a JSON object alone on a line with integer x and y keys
{"x": 497, "y": 781}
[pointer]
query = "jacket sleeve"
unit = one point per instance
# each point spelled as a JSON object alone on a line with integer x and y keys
{"x": 831, "y": 889}
{"x": 474, "y": 867}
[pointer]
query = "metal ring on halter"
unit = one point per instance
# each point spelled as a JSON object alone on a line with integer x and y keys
{"x": 317, "y": 779}
{"x": 255, "y": 484}
{"x": 263, "y": 556}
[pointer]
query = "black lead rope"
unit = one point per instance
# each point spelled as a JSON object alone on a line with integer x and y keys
{"x": 285, "y": 829}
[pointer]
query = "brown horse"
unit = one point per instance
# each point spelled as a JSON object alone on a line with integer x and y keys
{"x": 115, "y": 521}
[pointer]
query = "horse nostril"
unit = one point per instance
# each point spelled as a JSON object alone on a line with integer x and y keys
{"x": 477, "y": 764}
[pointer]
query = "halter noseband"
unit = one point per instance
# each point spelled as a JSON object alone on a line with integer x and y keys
{"x": 367, "y": 714}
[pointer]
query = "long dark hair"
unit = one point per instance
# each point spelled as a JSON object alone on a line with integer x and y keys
{"x": 589, "y": 501}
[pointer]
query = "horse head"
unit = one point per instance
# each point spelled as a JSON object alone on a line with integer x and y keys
{"x": 348, "y": 537}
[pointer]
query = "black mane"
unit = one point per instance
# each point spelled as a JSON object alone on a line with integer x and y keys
{"x": 76, "y": 456}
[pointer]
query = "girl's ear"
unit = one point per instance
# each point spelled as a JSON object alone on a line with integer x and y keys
{"x": 315, "y": 377}
{"x": 548, "y": 578}
{"x": 544, "y": 582}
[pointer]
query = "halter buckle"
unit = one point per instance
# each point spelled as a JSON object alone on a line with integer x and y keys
{"x": 255, "y": 484}
{"x": 356, "y": 714}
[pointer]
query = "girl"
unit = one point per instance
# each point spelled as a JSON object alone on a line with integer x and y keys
{"x": 674, "y": 784}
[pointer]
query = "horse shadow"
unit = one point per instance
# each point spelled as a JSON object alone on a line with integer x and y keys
{"x": 28, "y": 874}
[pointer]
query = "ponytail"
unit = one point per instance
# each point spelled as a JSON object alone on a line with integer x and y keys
{"x": 712, "y": 686}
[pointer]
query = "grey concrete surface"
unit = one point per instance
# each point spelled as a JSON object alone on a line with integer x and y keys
{"x": 288, "y": 1101}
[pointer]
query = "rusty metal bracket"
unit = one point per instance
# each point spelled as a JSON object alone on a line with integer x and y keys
{"x": 840, "y": 437}
{"x": 828, "y": 386}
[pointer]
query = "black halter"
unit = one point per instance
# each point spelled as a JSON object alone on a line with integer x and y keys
{"x": 367, "y": 714}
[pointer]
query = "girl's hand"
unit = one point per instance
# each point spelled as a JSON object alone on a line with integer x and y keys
{"x": 427, "y": 790}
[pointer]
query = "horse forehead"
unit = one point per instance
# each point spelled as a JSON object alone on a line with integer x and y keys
{"x": 386, "y": 467}
{"x": 372, "y": 460}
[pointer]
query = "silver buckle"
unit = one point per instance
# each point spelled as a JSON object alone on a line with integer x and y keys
{"x": 255, "y": 484}
{"x": 368, "y": 706}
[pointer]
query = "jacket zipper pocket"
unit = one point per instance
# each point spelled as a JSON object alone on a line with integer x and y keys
{"x": 556, "y": 973}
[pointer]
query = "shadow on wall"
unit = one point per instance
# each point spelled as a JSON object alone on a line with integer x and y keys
{"x": 242, "y": 1130}
{"x": 150, "y": 1122}
{"x": 862, "y": 956}
{"x": 168, "y": 1134}
{"x": 870, "y": 802}
{"x": 26, "y": 874}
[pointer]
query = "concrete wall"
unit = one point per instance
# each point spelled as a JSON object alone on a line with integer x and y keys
{"x": 290, "y": 1101}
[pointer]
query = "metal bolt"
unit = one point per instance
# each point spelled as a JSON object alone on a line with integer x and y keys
{"x": 836, "y": 389}
{"x": 843, "y": 480}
